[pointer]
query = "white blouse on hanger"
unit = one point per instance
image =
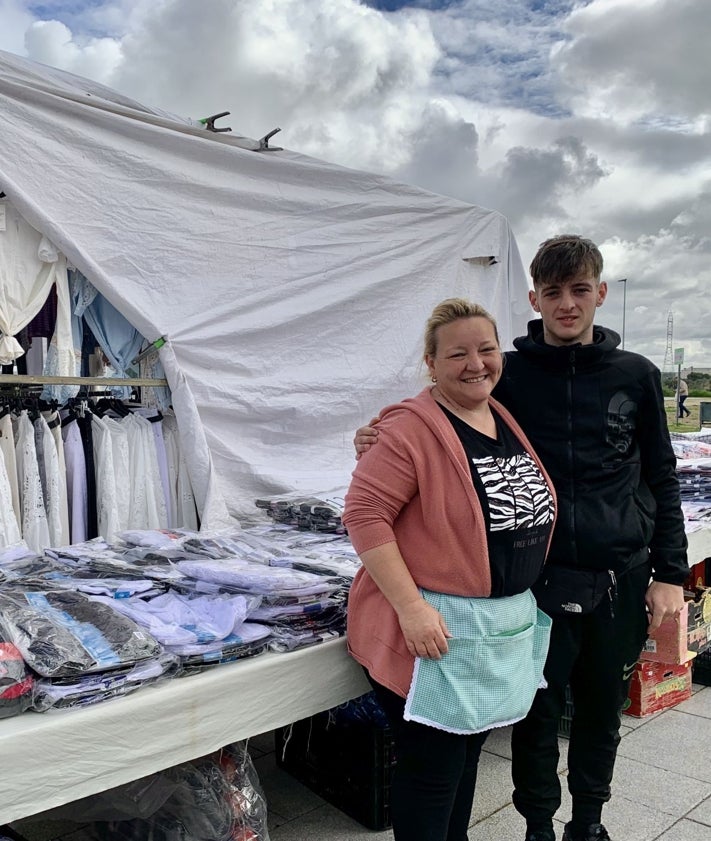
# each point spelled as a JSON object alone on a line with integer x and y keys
{"x": 7, "y": 445}
{"x": 148, "y": 510}
{"x": 35, "y": 530}
{"x": 48, "y": 466}
{"x": 77, "y": 497}
{"x": 107, "y": 514}
{"x": 9, "y": 529}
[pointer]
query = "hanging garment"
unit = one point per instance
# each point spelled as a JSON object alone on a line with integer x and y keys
{"x": 107, "y": 514}
{"x": 64, "y": 351}
{"x": 7, "y": 445}
{"x": 76, "y": 480}
{"x": 116, "y": 336}
{"x": 148, "y": 510}
{"x": 54, "y": 422}
{"x": 9, "y": 529}
{"x": 29, "y": 264}
{"x": 161, "y": 457}
{"x": 181, "y": 490}
{"x": 48, "y": 466}
{"x": 85, "y": 430}
{"x": 35, "y": 530}
{"x": 122, "y": 466}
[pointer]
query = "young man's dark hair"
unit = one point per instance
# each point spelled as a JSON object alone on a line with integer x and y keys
{"x": 560, "y": 258}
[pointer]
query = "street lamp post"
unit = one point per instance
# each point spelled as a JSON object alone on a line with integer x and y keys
{"x": 624, "y": 308}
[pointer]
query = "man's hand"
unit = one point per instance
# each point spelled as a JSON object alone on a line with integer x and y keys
{"x": 365, "y": 437}
{"x": 663, "y": 602}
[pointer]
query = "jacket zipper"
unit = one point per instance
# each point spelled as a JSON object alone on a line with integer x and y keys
{"x": 571, "y": 459}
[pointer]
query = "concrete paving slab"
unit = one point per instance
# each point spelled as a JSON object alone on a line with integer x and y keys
{"x": 686, "y": 830}
{"x": 625, "y": 819}
{"x": 506, "y": 824}
{"x": 499, "y": 742}
{"x": 699, "y": 704}
{"x": 702, "y": 813}
{"x": 633, "y": 721}
{"x": 677, "y": 742}
{"x": 286, "y": 797}
{"x": 326, "y": 824}
{"x": 667, "y": 791}
{"x": 493, "y": 788}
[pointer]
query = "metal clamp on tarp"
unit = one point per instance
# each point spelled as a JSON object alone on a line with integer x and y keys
{"x": 264, "y": 142}
{"x": 209, "y": 122}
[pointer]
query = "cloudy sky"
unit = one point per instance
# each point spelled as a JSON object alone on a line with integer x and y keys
{"x": 583, "y": 116}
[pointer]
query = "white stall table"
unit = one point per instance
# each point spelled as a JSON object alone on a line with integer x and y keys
{"x": 699, "y": 545}
{"x": 53, "y": 758}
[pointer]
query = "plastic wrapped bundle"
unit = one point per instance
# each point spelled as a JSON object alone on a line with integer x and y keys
{"x": 61, "y": 633}
{"x": 16, "y": 682}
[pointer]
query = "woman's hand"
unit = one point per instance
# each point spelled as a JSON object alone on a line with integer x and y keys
{"x": 365, "y": 437}
{"x": 424, "y": 629}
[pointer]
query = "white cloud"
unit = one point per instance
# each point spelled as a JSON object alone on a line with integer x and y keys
{"x": 589, "y": 117}
{"x": 638, "y": 60}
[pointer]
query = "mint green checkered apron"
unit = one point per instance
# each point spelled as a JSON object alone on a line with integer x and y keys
{"x": 493, "y": 667}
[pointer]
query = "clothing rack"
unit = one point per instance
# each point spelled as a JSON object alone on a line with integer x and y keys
{"x": 31, "y": 379}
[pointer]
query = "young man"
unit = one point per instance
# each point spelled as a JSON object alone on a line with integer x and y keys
{"x": 595, "y": 416}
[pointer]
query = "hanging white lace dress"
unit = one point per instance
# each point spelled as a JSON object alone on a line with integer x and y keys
{"x": 107, "y": 515}
{"x": 49, "y": 471}
{"x": 148, "y": 509}
{"x": 35, "y": 530}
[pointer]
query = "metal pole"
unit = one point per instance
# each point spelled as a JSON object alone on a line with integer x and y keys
{"x": 624, "y": 308}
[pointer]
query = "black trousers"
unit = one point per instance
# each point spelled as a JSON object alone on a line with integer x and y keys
{"x": 434, "y": 777}
{"x": 595, "y": 654}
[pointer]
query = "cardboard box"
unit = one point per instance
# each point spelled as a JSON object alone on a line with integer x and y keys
{"x": 678, "y": 639}
{"x": 669, "y": 643}
{"x": 657, "y": 686}
{"x": 699, "y": 624}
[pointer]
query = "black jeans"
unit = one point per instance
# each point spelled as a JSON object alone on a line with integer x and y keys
{"x": 434, "y": 777}
{"x": 595, "y": 654}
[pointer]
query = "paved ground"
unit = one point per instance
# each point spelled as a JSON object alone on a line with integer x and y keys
{"x": 661, "y": 791}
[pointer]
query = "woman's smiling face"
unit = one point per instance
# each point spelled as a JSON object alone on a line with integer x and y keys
{"x": 468, "y": 361}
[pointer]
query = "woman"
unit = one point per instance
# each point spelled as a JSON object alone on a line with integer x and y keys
{"x": 451, "y": 515}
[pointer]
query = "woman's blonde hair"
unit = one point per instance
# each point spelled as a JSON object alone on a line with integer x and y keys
{"x": 449, "y": 310}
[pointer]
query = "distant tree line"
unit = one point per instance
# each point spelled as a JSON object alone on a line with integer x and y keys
{"x": 699, "y": 384}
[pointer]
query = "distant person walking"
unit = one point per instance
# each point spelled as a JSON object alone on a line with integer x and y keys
{"x": 683, "y": 394}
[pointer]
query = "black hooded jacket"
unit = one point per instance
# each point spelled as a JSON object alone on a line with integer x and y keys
{"x": 595, "y": 416}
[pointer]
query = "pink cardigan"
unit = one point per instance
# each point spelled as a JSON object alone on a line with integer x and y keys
{"x": 415, "y": 487}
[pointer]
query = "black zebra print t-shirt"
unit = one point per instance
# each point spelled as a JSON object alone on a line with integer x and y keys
{"x": 517, "y": 505}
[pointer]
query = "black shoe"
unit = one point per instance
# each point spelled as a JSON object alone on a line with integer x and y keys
{"x": 540, "y": 835}
{"x": 592, "y": 832}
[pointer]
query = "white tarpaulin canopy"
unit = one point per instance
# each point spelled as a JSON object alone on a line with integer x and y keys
{"x": 292, "y": 292}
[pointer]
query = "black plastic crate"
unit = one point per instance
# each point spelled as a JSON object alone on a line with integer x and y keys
{"x": 349, "y": 764}
{"x": 701, "y": 668}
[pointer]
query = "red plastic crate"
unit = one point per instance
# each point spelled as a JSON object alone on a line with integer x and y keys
{"x": 657, "y": 686}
